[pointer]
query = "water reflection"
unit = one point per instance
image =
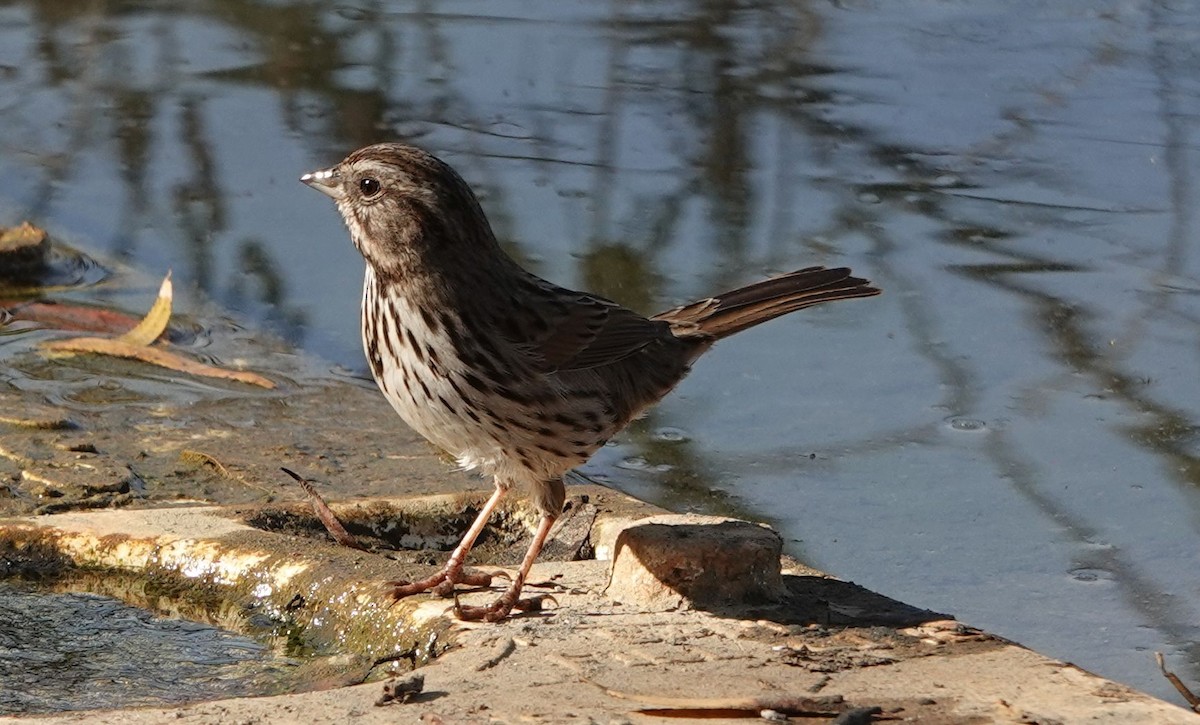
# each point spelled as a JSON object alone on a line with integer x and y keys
{"x": 1017, "y": 178}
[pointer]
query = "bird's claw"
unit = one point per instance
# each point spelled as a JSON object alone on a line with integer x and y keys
{"x": 494, "y": 612}
{"x": 443, "y": 583}
{"x": 501, "y": 608}
{"x": 401, "y": 589}
{"x": 535, "y": 603}
{"x": 476, "y": 578}
{"x": 444, "y": 588}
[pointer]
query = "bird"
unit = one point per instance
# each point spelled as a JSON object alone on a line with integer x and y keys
{"x": 512, "y": 375}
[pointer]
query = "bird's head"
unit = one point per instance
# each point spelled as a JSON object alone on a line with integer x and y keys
{"x": 404, "y": 207}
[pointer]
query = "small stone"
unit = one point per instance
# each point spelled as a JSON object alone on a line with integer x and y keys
{"x": 401, "y": 690}
{"x": 672, "y": 561}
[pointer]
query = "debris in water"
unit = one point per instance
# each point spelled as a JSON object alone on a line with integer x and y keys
{"x": 24, "y": 253}
{"x": 136, "y": 345}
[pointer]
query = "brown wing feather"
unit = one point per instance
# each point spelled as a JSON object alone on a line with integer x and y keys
{"x": 593, "y": 332}
{"x": 585, "y": 331}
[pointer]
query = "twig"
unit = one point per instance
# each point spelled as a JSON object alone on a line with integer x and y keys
{"x": 823, "y": 706}
{"x": 1188, "y": 695}
{"x": 503, "y": 649}
{"x": 325, "y": 514}
{"x": 200, "y": 459}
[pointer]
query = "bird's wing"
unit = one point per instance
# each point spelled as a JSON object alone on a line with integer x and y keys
{"x": 585, "y": 331}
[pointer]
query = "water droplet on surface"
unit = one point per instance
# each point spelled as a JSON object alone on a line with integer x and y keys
{"x": 637, "y": 463}
{"x": 634, "y": 463}
{"x": 671, "y": 435}
{"x": 506, "y": 129}
{"x": 1089, "y": 574}
{"x": 969, "y": 425}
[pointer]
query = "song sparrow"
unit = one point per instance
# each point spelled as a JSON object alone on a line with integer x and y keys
{"x": 511, "y": 374}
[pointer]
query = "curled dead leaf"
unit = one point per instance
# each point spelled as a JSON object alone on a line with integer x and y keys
{"x": 135, "y": 345}
{"x": 155, "y": 321}
{"x": 154, "y": 356}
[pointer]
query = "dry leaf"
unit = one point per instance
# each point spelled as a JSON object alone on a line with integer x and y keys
{"x": 155, "y": 321}
{"x": 154, "y": 356}
{"x": 135, "y": 345}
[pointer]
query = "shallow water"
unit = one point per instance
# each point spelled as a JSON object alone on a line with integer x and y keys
{"x": 1008, "y": 435}
{"x": 70, "y": 651}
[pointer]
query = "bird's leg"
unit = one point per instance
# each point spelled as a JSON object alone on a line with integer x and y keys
{"x": 511, "y": 599}
{"x": 452, "y": 573}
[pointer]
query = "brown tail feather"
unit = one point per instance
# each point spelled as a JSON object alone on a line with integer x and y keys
{"x": 724, "y": 314}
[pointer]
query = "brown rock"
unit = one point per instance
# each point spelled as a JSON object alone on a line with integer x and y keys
{"x": 673, "y": 561}
{"x": 24, "y": 252}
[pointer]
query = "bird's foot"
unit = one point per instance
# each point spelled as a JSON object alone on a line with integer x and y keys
{"x": 443, "y": 582}
{"x": 502, "y": 607}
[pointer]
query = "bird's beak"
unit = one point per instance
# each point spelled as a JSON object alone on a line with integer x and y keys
{"x": 326, "y": 181}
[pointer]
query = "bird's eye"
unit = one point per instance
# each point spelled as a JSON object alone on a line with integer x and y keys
{"x": 369, "y": 187}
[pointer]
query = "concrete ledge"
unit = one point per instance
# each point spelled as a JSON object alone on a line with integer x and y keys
{"x": 817, "y": 641}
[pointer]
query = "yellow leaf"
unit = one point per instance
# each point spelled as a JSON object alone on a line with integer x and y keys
{"x": 135, "y": 345}
{"x": 155, "y": 321}
{"x": 155, "y": 356}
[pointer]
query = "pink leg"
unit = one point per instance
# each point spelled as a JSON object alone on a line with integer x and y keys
{"x": 443, "y": 582}
{"x": 511, "y": 598}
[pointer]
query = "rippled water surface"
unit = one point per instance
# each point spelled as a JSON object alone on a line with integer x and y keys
{"x": 83, "y": 651}
{"x": 1009, "y": 434}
